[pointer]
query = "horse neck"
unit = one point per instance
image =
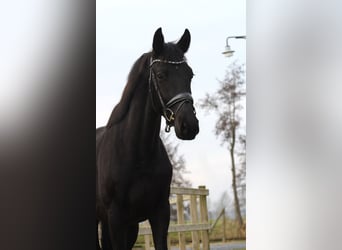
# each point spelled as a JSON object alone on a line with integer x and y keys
{"x": 142, "y": 123}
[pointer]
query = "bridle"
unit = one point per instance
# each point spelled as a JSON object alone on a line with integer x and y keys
{"x": 180, "y": 99}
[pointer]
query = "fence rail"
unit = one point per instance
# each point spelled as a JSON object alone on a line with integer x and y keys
{"x": 198, "y": 225}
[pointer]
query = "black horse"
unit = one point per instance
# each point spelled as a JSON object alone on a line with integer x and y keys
{"x": 133, "y": 171}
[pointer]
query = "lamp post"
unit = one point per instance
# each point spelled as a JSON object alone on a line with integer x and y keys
{"x": 228, "y": 52}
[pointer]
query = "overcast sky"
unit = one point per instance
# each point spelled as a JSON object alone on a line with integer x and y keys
{"x": 124, "y": 31}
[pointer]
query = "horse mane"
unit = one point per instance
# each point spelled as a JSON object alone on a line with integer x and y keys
{"x": 134, "y": 78}
{"x": 170, "y": 52}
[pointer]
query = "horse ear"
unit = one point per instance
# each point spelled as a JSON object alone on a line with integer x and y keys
{"x": 158, "y": 41}
{"x": 184, "y": 42}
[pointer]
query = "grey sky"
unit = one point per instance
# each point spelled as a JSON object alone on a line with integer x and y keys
{"x": 124, "y": 31}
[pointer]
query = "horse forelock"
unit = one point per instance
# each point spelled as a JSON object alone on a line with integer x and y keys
{"x": 171, "y": 52}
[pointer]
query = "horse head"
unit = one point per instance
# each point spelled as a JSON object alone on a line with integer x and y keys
{"x": 170, "y": 85}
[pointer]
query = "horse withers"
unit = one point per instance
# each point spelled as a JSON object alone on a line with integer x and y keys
{"x": 133, "y": 171}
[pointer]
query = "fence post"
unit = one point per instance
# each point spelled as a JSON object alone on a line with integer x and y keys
{"x": 224, "y": 225}
{"x": 168, "y": 241}
{"x": 180, "y": 220}
{"x": 204, "y": 219}
{"x": 147, "y": 237}
{"x": 194, "y": 220}
{"x": 147, "y": 242}
{"x": 199, "y": 226}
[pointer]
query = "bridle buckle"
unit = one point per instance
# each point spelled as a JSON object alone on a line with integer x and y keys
{"x": 169, "y": 115}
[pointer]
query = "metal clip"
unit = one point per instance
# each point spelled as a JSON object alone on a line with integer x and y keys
{"x": 171, "y": 116}
{"x": 167, "y": 128}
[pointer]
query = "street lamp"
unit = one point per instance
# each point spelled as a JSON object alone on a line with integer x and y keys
{"x": 228, "y": 52}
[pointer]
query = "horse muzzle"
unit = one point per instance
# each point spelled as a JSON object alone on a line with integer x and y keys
{"x": 186, "y": 123}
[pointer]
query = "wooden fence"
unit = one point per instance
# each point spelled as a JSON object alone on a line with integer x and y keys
{"x": 198, "y": 225}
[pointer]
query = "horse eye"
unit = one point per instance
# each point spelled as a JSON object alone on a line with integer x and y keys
{"x": 160, "y": 76}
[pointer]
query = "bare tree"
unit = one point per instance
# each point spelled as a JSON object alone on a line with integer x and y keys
{"x": 177, "y": 161}
{"x": 224, "y": 202}
{"x": 241, "y": 173}
{"x": 179, "y": 169}
{"x": 227, "y": 103}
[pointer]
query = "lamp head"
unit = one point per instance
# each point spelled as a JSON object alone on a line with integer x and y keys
{"x": 228, "y": 52}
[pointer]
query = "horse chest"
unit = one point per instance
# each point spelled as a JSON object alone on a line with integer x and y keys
{"x": 147, "y": 190}
{"x": 148, "y": 185}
